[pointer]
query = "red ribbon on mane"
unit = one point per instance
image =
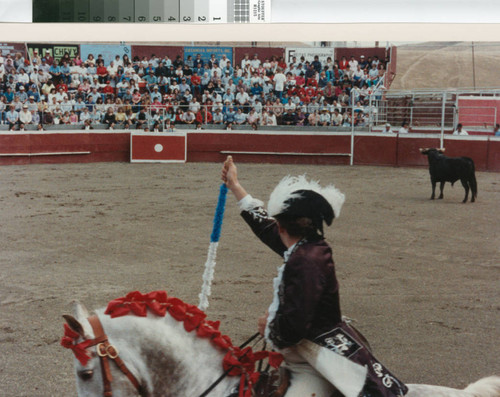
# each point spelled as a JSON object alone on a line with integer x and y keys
{"x": 239, "y": 362}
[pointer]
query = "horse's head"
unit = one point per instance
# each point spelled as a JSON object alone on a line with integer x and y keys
{"x": 151, "y": 344}
{"x": 89, "y": 350}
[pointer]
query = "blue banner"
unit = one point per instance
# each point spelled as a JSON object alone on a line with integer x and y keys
{"x": 108, "y": 51}
{"x": 206, "y": 53}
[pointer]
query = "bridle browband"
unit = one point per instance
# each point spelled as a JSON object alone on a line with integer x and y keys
{"x": 106, "y": 351}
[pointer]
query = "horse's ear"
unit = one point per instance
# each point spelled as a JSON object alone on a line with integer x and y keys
{"x": 80, "y": 311}
{"x": 78, "y": 322}
{"x": 74, "y": 324}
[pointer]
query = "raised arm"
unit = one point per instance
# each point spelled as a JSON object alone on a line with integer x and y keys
{"x": 230, "y": 178}
{"x": 252, "y": 211}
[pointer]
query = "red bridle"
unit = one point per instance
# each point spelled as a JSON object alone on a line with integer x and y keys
{"x": 106, "y": 351}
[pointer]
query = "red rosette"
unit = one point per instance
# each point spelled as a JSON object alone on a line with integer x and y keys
{"x": 160, "y": 309}
{"x": 176, "y": 308}
{"x": 246, "y": 358}
{"x": 222, "y": 341}
{"x": 134, "y": 296}
{"x": 232, "y": 364}
{"x": 192, "y": 321}
{"x": 213, "y": 324}
{"x": 206, "y": 331}
{"x": 274, "y": 359}
{"x": 114, "y": 306}
{"x": 159, "y": 296}
{"x": 138, "y": 308}
{"x": 120, "y": 311}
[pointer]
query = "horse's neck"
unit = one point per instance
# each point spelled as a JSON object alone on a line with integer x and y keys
{"x": 171, "y": 361}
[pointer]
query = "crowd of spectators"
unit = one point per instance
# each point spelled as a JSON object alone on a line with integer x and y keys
{"x": 158, "y": 93}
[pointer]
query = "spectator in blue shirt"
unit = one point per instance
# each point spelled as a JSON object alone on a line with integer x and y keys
{"x": 65, "y": 73}
{"x": 228, "y": 96}
{"x": 256, "y": 89}
{"x": 230, "y": 114}
{"x": 9, "y": 94}
{"x": 33, "y": 92}
{"x": 55, "y": 73}
{"x": 151, "y": 80}
{"x": 12, "y": 117}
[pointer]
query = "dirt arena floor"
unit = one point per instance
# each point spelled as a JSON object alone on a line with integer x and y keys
{"x": 420, "y": 277}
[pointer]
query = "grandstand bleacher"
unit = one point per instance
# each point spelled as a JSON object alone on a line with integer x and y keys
{"x": 64, "y": 90}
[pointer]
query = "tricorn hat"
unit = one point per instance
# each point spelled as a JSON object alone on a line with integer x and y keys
{"x": 296, "y": 197}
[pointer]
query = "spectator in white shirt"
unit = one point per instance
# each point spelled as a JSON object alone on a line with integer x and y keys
{"x": 324, "y": 118}
{"x": 279, "y": 83}
{"x": 194, "y": 105}
{"x": 405, "y": 128}
{"x": 460, "y": 130}
{"x": 25, "y": 115}
{"x": 388, "y": 129}
{"x": 255, "y": 62}
{"x": 218, "y": 116}
{"x": 245, "y": 61}
{"x": 242, "y": 97}
{"x": 269, "y": 118}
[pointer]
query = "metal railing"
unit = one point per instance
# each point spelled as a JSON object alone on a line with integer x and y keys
{"x": 441, "y": 112}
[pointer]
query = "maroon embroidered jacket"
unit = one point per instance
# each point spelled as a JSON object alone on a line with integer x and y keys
{"x": 309, "y": 291}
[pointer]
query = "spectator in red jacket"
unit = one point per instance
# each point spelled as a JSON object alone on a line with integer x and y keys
{"x": 102, "y": 73}
{"x": 203, "y": 117}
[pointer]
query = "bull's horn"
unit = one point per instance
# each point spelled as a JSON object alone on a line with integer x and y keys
{"x": 421, "y": 149}
{"x": 441, "y": 150}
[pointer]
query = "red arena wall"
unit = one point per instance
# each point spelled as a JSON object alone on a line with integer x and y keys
{"x": 477, "y": 111}
{"x": 286, "y": 147}
{"x": 64, "y": 147}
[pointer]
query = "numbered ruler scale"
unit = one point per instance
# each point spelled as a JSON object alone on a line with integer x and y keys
{"x": 152, "y": 11}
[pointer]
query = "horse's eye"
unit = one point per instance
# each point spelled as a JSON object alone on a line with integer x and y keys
{"x": 86, "y": 374}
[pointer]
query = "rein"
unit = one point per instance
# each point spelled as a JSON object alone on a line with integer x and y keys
{"x": 226, "y": 372}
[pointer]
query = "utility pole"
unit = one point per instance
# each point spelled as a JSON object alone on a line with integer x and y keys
{"x": 473, "y": 68}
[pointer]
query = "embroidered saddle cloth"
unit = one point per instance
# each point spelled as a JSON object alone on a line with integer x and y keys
{"x": 345, "y": 361}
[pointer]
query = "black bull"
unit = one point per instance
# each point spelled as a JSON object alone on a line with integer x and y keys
{"x": 451, "y": 169}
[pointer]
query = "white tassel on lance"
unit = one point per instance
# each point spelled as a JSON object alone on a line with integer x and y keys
{"x": 209, "y": 272}
{"x": 208, "y": 275}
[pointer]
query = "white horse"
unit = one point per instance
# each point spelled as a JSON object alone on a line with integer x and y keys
{"x": 167, "y": 361}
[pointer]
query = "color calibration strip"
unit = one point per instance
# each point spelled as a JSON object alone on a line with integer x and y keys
{"x": 152, "y": 11}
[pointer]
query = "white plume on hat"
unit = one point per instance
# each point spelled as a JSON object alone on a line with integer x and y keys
{"x": 290, "y": 184}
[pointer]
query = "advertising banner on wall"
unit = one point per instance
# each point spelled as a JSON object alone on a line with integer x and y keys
{"x": 56, "y": 51}
{"x": 12, "y": 49}
{"x": 309, "y": 53}
{"x": 206, "y": 52}
{"x": 108, "y": 51}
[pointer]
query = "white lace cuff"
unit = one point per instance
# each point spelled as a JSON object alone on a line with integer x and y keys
{"x": 248, "y": 203}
